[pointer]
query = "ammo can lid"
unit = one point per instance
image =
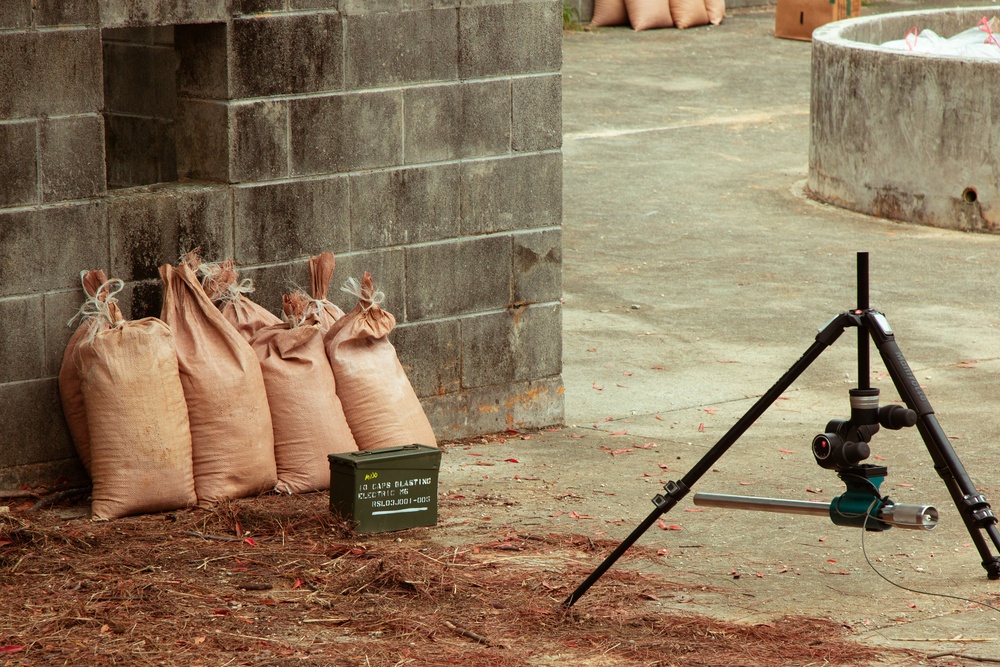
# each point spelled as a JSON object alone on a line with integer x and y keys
{"x": 405, "y": 457}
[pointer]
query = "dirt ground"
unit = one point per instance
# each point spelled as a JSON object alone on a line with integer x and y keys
{"x": 279, "y": 580}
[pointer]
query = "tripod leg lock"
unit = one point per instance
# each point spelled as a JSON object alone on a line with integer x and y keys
{"x": 675, "y": 491}
{"x": 979, "y": 508}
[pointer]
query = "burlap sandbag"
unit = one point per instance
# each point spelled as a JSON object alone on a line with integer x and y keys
{"x": 232, "y": 439}
{"x": 716, "y": 10}
{"x": 308, "y": 418}
{"x": 225, "y": 289}
{"x": 609, "y": 13}
{"x": 688, "y": 13}
{"x": 649, "y": 14}
{"x": 140, "y": 438}
{"x": 95, "y": 316}
{"x": 379, "y": 402}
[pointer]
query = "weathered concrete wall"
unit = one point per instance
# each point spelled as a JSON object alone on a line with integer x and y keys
{"x": 418, "y": 140}
{"x": 906, "y": 136}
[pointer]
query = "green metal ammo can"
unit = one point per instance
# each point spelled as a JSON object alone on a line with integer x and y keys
{"x": 386, "y": 489}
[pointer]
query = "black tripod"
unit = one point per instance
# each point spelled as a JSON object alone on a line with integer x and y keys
{"x": 852, "y": 447}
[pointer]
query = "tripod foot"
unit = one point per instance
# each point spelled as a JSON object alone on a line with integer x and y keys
{"x": 992, "y": 568}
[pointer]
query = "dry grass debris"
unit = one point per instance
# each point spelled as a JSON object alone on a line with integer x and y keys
{"x": 276, "y": 580}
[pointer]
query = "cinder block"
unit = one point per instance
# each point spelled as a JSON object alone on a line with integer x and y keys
{"x": 258, "y": 141}
{"x": 257, "y": 6}
{"x": 270, "y": 282}
{"x": 456, "y": 121}
{"x": 494, "y": 408}
{"x": 33, "y": 411}
{"x": 517, "y": 344}
{"x": 284, "y": 221}
{"x": 139, "y": 151}
{"x": 123, "y": 13}
{"x": 505, "y": 39}
{"x": 65, "y": 12}
{"x": 149, "y": 229}
{"x": 55, "y": 72}
{"x": 202, "y": 140}
{"x": 405, "y": 206}
{"x": 72, "y": 157}
{"x": 388, "y": 269}
{"x": 15, "y": 14}
{"x": 60, "y": 308}
{"x": 361, "y": 7}
{"x": 536, "y": 112}
{"x": 431, "y": 356}
{"x": 202, "y": 68}
{"x": 398, "y": 46}
{"x": 22, "y": 339}
{"x": 45, "y": 249}
{"x": 538, "y": 266}
{"x": 18, "y": 163}
{"x": 346, "y": 132}
{"x": 140, "y": 79}
{"x": 512, "y": 193}
{"x": 68, "y": 470}
{"x": 286, "y": 54}
{"x": 454, "y": 278}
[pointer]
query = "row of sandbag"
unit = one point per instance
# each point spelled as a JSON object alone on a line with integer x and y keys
{"x": 220, "y": 399}
{"x": 649, "y": 14}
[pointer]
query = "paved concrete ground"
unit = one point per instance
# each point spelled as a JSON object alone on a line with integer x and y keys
{"x": 696, "y": 273}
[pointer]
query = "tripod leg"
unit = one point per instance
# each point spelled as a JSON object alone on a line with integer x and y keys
{"x": 677, "y": 490}
{"x": 972, "y": 505}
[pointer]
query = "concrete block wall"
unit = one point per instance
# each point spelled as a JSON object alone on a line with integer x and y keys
{"x": 416, "y": 139}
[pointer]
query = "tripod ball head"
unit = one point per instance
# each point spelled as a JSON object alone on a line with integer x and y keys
{"x": 833, "y": 453}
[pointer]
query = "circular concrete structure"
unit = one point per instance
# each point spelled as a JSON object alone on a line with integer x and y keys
{"x": 906, "y": 136}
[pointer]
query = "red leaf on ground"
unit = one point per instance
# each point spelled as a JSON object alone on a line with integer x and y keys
{"x": 511, "y": 460}
{"x": 598, "y": 388}
{"x": 663, "y": 466}
{"x": 658, "y": 417}
{"x": 617, "y": 452}
{"x": 619, "y": 432}
{"x": 12, "y": 648}
{"x": 710, "y": 411}
{"x": 786, "y": 451}
{"x": 701, "y": 428}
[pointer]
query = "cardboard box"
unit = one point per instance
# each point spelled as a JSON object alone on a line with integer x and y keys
{"x": 386, "y": 489}
{"x": 796, "y": 19}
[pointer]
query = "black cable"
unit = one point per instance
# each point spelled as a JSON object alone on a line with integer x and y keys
{"x": 864, "y": 529}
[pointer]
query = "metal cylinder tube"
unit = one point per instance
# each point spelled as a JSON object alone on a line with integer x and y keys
{"x": 916, "y": 517}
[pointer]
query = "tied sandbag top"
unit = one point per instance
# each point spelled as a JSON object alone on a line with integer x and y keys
{"x": 367, "y": 320}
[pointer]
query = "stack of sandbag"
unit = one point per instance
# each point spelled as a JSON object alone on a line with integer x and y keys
{"x": 307, "y": 416}
{"x": 380, "y": 405}
{"x": 647, "y": 14}
{"x": 136, "y": 440}
{"x": 231, "y": 431}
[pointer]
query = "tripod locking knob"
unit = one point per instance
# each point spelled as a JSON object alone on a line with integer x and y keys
{"x": 896, "y": 416}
